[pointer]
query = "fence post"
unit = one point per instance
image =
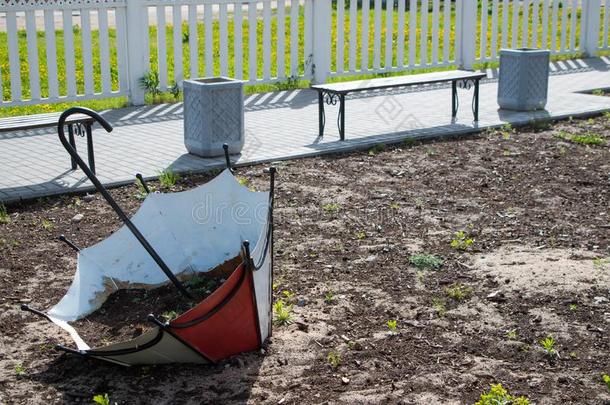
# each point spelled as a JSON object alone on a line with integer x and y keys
{"x": 590, "y": 16}
{"x": 138, "y": 55}
{"x": 468, "y": 33}
{"x": 321, "y": 43}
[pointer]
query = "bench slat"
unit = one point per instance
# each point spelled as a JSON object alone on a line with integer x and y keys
{"x": 38, "y": 121}
{"x": 398, "y": 81}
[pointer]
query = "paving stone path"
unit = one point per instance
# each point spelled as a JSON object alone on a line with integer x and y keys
{"x": 281, "y": 125}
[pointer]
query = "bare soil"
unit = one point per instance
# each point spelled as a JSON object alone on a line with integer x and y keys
{"x": 535, "y": 207}
{"x": 123, "y": 316}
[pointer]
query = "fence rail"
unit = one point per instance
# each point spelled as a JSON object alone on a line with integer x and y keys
{"x": 67, "y": 50}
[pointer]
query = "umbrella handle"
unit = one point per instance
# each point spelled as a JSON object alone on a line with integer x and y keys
{"x": 102, "y": 190}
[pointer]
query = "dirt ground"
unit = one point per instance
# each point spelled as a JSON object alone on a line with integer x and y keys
{"x": 521, "y": 220}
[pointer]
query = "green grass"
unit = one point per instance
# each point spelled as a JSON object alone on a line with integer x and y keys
{"x": 4, "y": 217}
{"x": 167, "y": 178}
{"x": 589, "y": 139}
{"x": 291, "y": 82}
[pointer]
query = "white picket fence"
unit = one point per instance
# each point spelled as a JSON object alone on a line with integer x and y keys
{"x": 67, "y": 50}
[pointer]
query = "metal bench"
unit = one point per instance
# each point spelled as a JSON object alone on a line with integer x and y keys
{"x": 336, "y": 92}
{"x": 78, "y": 125}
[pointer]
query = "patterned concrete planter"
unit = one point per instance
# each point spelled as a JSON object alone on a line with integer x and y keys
{"x": 524, "y": 79}
{"x": 213, "y": 115}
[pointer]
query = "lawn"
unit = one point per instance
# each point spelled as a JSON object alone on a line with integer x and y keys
{"x": 121, "y": 101}
{"x": 421, "y": 273}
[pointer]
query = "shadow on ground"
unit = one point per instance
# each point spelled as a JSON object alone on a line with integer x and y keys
{"x": 79, "y": 379}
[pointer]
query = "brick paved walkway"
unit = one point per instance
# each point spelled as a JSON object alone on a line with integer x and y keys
{"x": 280, "y": 125}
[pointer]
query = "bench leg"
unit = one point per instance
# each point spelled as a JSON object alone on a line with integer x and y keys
{"x": 321, "y": 114}
{"x": 72, "y": 142}
{"x": 475, "y": 101}
{"x": 342, "y": 117}
{"x": 90, "y": 152}
{"x": 454, "y": 99}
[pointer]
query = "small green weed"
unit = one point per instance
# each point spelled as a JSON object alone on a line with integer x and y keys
{"x": 439, "y": 306}
{"x": 175, "y": 90}
{"x": 150, "y": 83}
{"x": 360, "y": 235}
{"x": 425, "y": 261}
{"x": 195, "y": 282}
{"x": 289, "y": 295}
{"x": 540, "y": 125}
{"x": 4, "y": 217}
{"x": 392, "y": 325}
{"x": 598, "y": 92}
{"x": 20, "y": 369}
{"x": 102, "y": 399}
{"x": 47, "y": 224}
{"x": 573, "y": 307}
{"x": 141, "y": 194}
{"x": 498, "y": 395}
{"x": 376, "y": 149}
{"x": 168, "y": 178}
{"x": 587, "y": 139}
{"x": 431, "y": 152}
{"x": 606, "y": 379}
{"x": 243, "y": 181}
{"x": 419, "y": 203}
{"x": 410, "y": 142}
{"x": 282, "y": 313}
{"x": 334, "y": 359}
{"x": 548, "y": 345}
{"x": 169, "y": 315}
{"x": 395, "y": 206}
{"x": 458, "y": 291}
{"x": 329, "y": 297}
{"x": 331, "y": 208}
{"x": 505, "y": 131}
{"x": 461, "y": 241}
{"x": 512, "y": 334}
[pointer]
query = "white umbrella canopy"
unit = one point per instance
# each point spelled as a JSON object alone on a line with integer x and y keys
{"x": 192, "y": 231}
{"x": 176, "y": 236}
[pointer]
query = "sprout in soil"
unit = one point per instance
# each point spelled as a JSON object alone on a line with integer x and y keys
{"x": 512, "y": 334}
{"x": 4, "y": 218}
{"x": 329, "y": 297}
{"x": 282, "y": 313}
{"x": 548, "y": 345}
{"x": 168, "y": 178}
{"x": 102, "y": 399}
{"x": 498, "y": 395}
{"x": 458, "y": 291}
{"x": 461, "y": 241}
{"x": 334, "y": 359}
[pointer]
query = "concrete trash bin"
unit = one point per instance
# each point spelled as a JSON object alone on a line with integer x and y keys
{"x": 213, "y": 115}
{"x": 524, "y": 79}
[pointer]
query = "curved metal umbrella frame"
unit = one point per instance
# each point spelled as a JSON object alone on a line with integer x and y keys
{"x": 169, "y": 329}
